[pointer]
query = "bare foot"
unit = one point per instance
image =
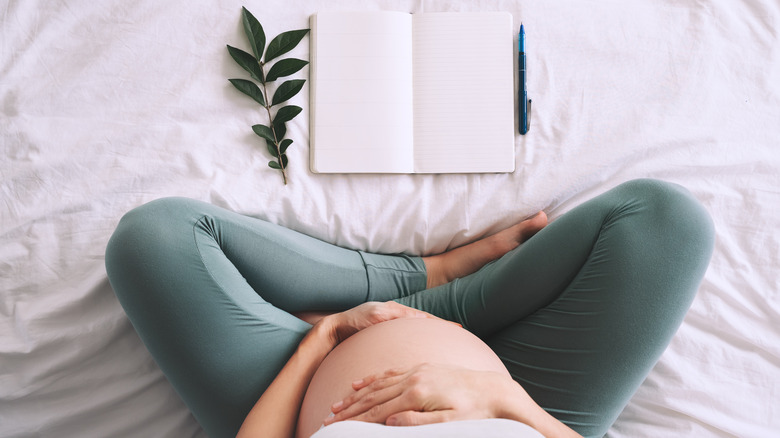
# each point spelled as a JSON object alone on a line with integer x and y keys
{"x": 459, "y": 262}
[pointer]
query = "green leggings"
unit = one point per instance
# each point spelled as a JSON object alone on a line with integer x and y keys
{"x": 579, "y": 314}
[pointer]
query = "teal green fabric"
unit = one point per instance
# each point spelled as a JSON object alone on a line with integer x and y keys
{"x": 579, "y": 314}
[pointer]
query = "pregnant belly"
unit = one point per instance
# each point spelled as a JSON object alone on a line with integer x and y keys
{"x": 400, "y": 343}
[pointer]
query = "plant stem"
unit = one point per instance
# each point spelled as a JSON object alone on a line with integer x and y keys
{"x": 276, "y": 143}
{"x": 273, "y": 129}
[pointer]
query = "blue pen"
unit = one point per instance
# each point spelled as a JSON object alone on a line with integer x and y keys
{"x": 522, "y": 95}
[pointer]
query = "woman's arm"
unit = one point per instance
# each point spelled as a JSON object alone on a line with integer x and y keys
{"x": 276, "y": 413}
{"x": 434, "y": 393}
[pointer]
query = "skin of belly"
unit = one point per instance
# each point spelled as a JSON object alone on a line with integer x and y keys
{"x": 400, "y": 343}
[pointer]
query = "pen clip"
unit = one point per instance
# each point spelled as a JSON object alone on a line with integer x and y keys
{"x": 528, "y": 118}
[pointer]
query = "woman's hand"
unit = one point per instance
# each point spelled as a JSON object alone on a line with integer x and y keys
{"x": 345, "y": 324}
{"x": 428, "y": 393}
{"x": 425, "y": 394}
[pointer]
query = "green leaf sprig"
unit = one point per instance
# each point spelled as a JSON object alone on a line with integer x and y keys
{"x": 255, "y": 64}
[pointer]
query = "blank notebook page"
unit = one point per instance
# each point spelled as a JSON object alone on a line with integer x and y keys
{"x": 362, "y": 92}
{"x": 463, "y": 92}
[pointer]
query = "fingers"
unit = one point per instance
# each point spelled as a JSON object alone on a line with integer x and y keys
{"x": 347, "y": 323}
{"x": 415, "y": 418}
{"x": 398, "y": 310}
{"x": 372, "y": 407}
{"x": 375, "y": 399}
{"x": 409, "y": 312}
{"x": 371, "y": 313}
{"x": 362, "y": 383}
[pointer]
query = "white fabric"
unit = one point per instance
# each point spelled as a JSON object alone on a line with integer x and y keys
{"x": 492, "y": 428}
{"x": 110, "y": 104}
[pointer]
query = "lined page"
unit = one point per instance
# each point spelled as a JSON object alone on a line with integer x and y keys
{"x": 361, "y": 95}
{"x": 463, "y": 92}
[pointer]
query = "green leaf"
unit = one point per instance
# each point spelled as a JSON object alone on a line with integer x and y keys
{"x": 287, "y": 113}
{"x": 285, "y": 144}
{"x": 287, "y": 90}
{"x": 264, "y": 131}
{"x": 285, "y": 67}
{"x": 274, "y": 165}
{"x": 254, "y": 31}
{"x": 280, "y": 128}
{"x": 249, "y": 88}
{"x": 284, "y": 161}
{"x": 284, "y": 42}
{"x": 248, "y": 62}
{"x": 272, "y": 149}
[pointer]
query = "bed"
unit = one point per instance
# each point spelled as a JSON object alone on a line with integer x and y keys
{"x": 107, "y": 105}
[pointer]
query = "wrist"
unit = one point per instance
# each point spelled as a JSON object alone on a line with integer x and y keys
{"x": 324, "y": 333}
{"x": 506, "y": 403}
{"x": 514, "y": 403}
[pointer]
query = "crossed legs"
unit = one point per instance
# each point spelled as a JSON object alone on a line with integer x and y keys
{"x": 579, "y": 313}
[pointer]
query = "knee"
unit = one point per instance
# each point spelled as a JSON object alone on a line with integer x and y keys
{"x": 147, "y": 222}
{"x": 142, "y": 235}
{"x": 672, "y": 209}
{"x": 155, "y": 213}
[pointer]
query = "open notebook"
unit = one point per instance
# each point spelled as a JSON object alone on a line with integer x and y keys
{"x": 393, "y": 92}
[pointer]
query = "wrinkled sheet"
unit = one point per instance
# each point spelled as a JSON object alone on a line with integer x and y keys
{"x": 105, "y": 105}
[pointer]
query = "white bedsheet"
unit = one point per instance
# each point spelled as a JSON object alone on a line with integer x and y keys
{"x": 105, "y": 105}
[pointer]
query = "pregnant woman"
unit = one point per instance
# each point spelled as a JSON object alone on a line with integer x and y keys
{"x": 270, "y": 333}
